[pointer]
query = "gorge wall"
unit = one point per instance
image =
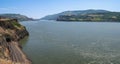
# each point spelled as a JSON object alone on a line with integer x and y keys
{"x": 10, "y": 50}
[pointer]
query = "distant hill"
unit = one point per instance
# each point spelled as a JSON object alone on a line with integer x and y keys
{"x": 16, "y": 16}
{"x": 85, "y": 15}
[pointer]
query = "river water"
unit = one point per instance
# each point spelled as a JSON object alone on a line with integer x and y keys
{"x": 52, "y": 42}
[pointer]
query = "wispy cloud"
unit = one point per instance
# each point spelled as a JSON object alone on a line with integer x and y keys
{"x": 8, "y": 9}
{"x": 4, "y": 9}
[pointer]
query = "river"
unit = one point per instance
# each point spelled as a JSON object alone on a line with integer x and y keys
{"x": 52, "y": 42}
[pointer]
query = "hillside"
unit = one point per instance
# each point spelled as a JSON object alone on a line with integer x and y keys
{"x": 85, "y": 15}
{"x": 16, "y": 16}
{"x": 10, "y": 50}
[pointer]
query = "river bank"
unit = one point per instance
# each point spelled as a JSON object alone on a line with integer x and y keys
{"x": 10, "y": 49}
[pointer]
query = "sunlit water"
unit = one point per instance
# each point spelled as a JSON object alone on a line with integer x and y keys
{"x": 52, "y": 42}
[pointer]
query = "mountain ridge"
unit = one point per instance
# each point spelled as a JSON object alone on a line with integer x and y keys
{"x": 15, "y": 16}
{"x": 84, "y": 15}
{"x": 79, "y": 11}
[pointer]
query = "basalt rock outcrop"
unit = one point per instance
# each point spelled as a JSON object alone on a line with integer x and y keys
{"x": 10, "y": 50}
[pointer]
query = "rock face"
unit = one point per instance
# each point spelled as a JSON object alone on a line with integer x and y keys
{"x": 10, "y": 51}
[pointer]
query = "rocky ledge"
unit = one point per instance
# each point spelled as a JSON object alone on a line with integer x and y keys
{"x": 10, "y": 50}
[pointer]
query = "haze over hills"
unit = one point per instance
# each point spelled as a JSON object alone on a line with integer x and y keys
{"x": 78, "y": 15}
{"x": 16, "y": 16}
{"x": 54, "y": 16}
{"x": 85, "y": 15}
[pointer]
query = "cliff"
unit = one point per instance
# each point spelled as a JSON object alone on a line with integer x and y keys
{"x": 10, "y": 51}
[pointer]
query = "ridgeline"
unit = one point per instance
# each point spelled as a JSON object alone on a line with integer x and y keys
{"x": 85, "y": 15}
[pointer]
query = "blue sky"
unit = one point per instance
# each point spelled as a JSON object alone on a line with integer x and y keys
{"x": 41, "y": 8}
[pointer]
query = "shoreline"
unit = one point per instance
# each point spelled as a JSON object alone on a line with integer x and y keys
{"x": 10, "y": 49}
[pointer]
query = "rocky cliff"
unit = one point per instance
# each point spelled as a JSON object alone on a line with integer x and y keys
{"x": 10, "y": 51}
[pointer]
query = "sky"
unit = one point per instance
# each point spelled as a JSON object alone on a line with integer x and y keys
{"x": 40, "y": 8}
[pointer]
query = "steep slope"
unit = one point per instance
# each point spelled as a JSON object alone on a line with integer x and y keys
{"x": 101, "y": 17}
{"x": 79, "y": 12}
{"x": 10, "y": 51}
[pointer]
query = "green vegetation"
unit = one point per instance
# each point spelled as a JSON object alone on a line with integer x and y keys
{"x": 16, "y": 24}
{"x": 85, "y": 15}
{"x": 110, "y": 16}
